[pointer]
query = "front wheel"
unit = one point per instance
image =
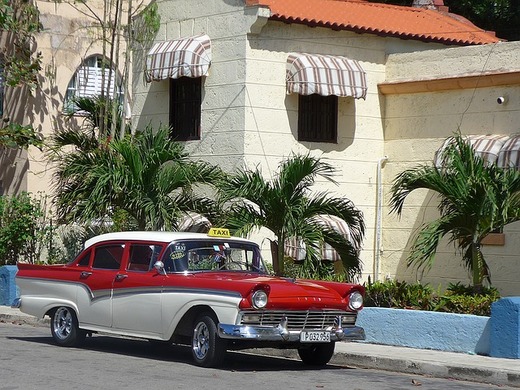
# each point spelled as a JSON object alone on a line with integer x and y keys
{"x": 65, "y": 327}
{"x": 316, "y": 354}
{"x": 207, "y": 348}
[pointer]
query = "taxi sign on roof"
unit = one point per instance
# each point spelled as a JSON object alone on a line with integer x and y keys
{"x": 219, "y": 232}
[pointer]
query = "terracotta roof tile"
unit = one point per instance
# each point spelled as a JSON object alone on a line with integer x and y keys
{"x": 362, "y": 16}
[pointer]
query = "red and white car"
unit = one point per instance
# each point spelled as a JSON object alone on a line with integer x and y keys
{"x": 208, "y": 291}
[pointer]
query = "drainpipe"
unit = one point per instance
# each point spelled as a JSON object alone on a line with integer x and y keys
{"x": 379, "y": 212}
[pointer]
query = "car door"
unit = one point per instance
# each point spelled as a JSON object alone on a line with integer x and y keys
{"x": 94, "y": 298}
{"x": 137, "y": 292}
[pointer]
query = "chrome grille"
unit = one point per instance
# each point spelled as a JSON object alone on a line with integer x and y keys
{"x": 307, "y": 319}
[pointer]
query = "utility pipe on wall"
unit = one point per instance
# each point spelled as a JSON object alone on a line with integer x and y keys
{"x": 379, "y": 212}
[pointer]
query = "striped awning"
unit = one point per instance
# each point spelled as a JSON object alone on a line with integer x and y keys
{"x": 189, "y": 57}
{"x": 488, "y": 147}
{"x": 509, "y": 155}
{"x": 325, "y": 75}
{"x": 295, "y": 248}
{"x": 194, "y": 222}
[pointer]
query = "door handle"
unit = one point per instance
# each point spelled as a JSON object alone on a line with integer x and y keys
{"x": 85, "y": 274}
{"x": 120, "y": 277}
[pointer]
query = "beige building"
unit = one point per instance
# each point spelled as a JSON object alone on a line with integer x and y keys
{"x": 70, "y": 43}
{"x": 415, "y": 76}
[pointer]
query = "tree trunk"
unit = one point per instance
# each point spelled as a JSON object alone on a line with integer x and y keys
{"x": 476, "y": 259}
{"x": 281, "y": 254}
{"x": 274, "y": 256}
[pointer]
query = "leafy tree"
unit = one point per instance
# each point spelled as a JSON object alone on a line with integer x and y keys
{"x": 19, "y": 64}
{"x": 500, "y": 16}
{"x": 476, "y": 198}
{"x": 119, "y": 26}
{"x": 148, "y": 176}
{"x": 286, "y": 206}
{"x": 15, "y": 135}
{"x": 19, "y": 21}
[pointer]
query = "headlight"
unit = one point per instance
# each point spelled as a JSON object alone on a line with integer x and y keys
{"x": 355, "y": 300}
{"x": 259, "y": 299}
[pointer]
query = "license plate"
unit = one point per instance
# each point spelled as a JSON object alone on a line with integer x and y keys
{"x": 315, "y": 337}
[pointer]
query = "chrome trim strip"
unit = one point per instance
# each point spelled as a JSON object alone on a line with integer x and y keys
{"x": 204, "y": 291}
{"x": 107, "y": 293}
{"x": 17, "y": 303}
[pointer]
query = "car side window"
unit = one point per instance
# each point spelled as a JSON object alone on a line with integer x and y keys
{"x": 84, "y": 260}
{"x": 108, "y": 256}
{"x": 142, "y": 257}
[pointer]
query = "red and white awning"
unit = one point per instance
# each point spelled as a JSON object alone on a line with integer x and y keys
{"x": 325, "y": 75}
{"x": 295, "y": 248}
{"x": 509, "y": 156}
{"x": 488, "y": 147}
{"x": 194, "y": 222}
{"x": 188, "y": 57}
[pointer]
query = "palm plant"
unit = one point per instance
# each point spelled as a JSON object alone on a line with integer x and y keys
{"x": 97, "y": 113}
{"x": 148, "y": 176}
{"x": 286, "y": 207}
{"x": 476, "y": 198}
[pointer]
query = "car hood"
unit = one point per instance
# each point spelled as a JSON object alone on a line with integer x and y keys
{"x": 283, "y": 292}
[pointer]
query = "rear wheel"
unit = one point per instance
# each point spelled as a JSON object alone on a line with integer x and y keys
{"x": 207, "y": 348}
{"x": 316, "y": 354}
{"x": 65, "y": 327}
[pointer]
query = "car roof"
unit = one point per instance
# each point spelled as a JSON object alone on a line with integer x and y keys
{"x": 165, "y": 237}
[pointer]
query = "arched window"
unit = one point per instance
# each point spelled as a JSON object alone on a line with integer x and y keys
{"x": 92, "y": 79}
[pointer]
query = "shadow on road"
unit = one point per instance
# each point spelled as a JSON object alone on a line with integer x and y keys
{"x": 234, "y": 361}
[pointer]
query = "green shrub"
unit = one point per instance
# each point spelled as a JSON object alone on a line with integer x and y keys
{"x": 465, "y": 300}
{"x": 395, "y": 294}
{"x": 27, "y": 232}
{"x": 457, "y": 298}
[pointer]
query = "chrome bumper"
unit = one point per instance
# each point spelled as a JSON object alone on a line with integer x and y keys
{"x": 280, "y": 333}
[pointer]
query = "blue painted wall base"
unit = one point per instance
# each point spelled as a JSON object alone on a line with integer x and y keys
{"x": 426, "y": 330}
{"x": 8, "y": 289}
{"x": 505, "y": 328}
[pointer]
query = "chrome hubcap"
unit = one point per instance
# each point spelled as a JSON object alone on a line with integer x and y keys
{"x": 201, "y": 340}
{"x": 62, "y": 323}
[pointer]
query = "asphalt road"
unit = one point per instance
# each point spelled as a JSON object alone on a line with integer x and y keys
{"x": 29, "y": 360}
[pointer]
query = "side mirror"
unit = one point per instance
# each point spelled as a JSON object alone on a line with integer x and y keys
{"x": 159, "y": 267}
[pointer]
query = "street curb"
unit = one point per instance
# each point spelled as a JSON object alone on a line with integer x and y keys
{"x": 24, "y": 319}
{"x": 407, "y": 366}
{"x": 436, "y": 370}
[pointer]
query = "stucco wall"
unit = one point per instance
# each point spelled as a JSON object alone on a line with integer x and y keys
{"x": 415, "y": 126}
{"x": 222, "y": 136}
{"x": 248, "y": 120}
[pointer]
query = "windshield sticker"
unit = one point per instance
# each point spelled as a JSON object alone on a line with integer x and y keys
{"x": 179, "y": 247}
{"x": 177, "y": 255}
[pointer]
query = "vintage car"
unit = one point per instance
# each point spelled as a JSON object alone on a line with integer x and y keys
{"x": 210, "y": 291}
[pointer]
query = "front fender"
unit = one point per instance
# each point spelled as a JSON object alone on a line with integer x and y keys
{"x": 225, "y": 308}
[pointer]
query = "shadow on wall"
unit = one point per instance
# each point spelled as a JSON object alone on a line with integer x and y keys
{"x": 14, "y": 165}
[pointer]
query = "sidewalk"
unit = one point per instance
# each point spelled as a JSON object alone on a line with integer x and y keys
{"x": 439, "y": 364}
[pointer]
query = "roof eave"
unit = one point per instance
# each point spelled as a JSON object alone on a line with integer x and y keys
{"x": 364, "y": 30}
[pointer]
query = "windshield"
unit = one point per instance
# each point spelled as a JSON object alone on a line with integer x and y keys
{"x": 212, "y": 255}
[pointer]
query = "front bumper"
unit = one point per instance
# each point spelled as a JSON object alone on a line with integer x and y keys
{"x": 281, "y": 333}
